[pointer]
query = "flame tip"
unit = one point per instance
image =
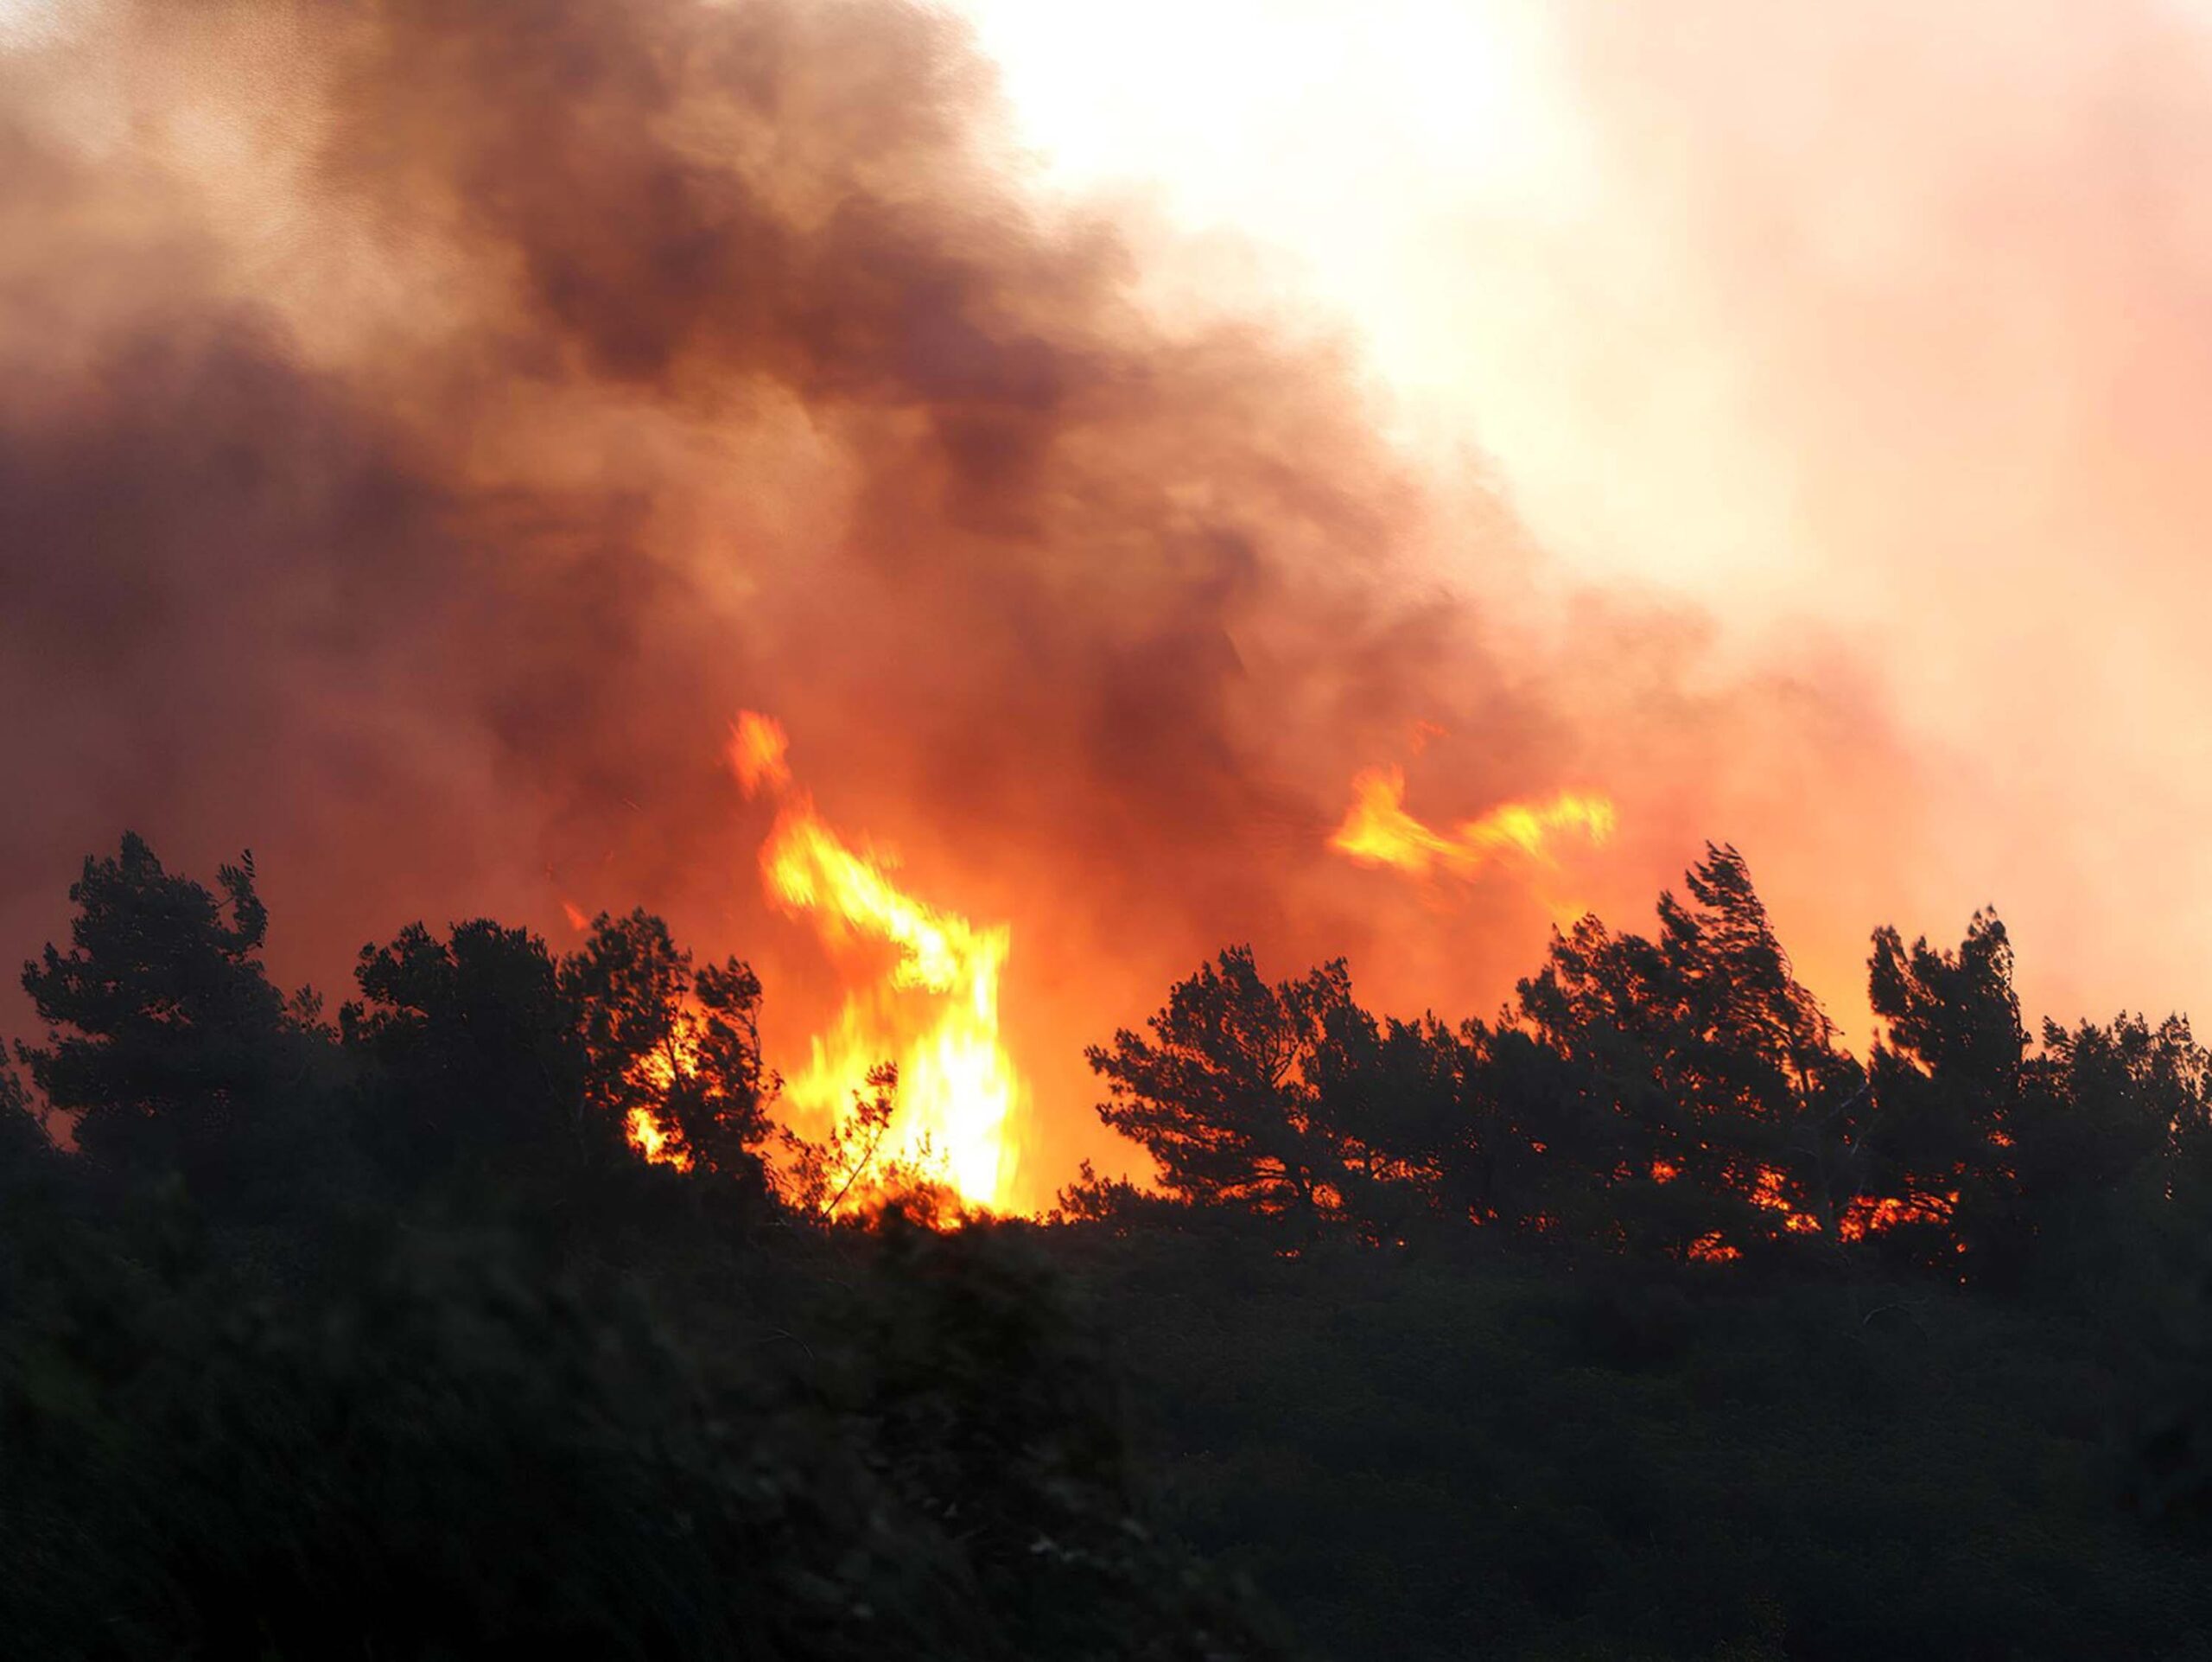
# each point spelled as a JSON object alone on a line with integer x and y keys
{"x": 1377, "y": 830}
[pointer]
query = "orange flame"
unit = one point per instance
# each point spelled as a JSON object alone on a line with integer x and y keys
{"x": 758, "y": 752}
{"x": 1868, "y": 1216}
{"x": 1714, "y": 1249}
{"x": 660, "y": 1070}
{"x": 1864, "y": 1216}
{"x": 1378, "y": 831}
{"x": 1771, "y": 1191}
{"x": 935, "y": 1014}
{"x": 650, "y": 1139}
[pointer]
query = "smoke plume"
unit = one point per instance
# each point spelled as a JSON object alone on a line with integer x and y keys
{"x": 425, "y": 424}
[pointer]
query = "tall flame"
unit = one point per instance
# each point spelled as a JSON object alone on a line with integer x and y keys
{"x": 935, "y": 1014}
{"x": 1378, "y": 831}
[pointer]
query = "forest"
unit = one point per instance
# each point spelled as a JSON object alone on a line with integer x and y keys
{"x": 1640, "y": 1319}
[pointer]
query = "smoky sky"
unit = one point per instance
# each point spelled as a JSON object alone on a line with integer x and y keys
{"x": 423, "y": 425}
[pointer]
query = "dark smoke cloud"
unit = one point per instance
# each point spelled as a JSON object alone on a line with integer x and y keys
{"x": 423, "y": 425}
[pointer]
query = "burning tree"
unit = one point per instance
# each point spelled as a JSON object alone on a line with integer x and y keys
{"x": 671, "y": 1053}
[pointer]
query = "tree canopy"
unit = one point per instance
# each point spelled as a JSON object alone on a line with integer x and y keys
{"x": 502, "y": 1314}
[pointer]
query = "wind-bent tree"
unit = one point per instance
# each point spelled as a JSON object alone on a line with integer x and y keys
{"x": 2008, "y": 1160}
{"x": 1947, "y": 1081}
{"x": 1722, "y": 1066}
{"x": 166, "y": 1038}
{"x": 1228, "y": 1093}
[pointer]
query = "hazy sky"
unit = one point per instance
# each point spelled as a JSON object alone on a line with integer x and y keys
{"x": 1882, "y": 326}
{"x": 420, "y": 435}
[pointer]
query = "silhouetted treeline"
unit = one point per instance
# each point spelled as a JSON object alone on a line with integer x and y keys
{"x": 379, "y": 1339}
{"x": 1685, "y": 1097}
{"x": 1641, "y": 1319}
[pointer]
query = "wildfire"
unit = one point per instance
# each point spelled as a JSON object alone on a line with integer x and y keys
{"x": 935, "y": 1014}
{"x": 648, "y": 1137}
{"x": 659, "y": 1071}
{"x": 1378, "y": 831}
{"x": 1770, "y": 1190}
{"x": 1868, "y": 1216}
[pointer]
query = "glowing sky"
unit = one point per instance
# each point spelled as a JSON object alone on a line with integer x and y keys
{"x": 1791, "y": 426}
{"x": 1876, "y": 329}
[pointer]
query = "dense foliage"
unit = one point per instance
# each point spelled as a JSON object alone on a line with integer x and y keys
{"x": 1683, "y": 1099}
{"x": 378, "y": 1339}
{"x": 1641, "y": 1319}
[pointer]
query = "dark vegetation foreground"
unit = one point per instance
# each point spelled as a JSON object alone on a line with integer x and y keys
{"x": 1508, "y": 1458}
{"x": 1642, "y": 1322}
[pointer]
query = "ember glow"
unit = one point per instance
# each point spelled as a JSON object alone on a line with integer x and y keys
{"x": 1770, "y": 1190}
{"x": 1379, "y": 831}
{"x": 1870, "y": 1215}
{"x": 648, "y": 1137}
{"x": 662, "y": 1070}
{"x": 934, "y": 1013}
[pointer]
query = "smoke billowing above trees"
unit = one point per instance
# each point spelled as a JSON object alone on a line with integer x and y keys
{"x": 424, "y": 425}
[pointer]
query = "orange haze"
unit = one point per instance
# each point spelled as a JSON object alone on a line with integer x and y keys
{"x": 424, "y": 423}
